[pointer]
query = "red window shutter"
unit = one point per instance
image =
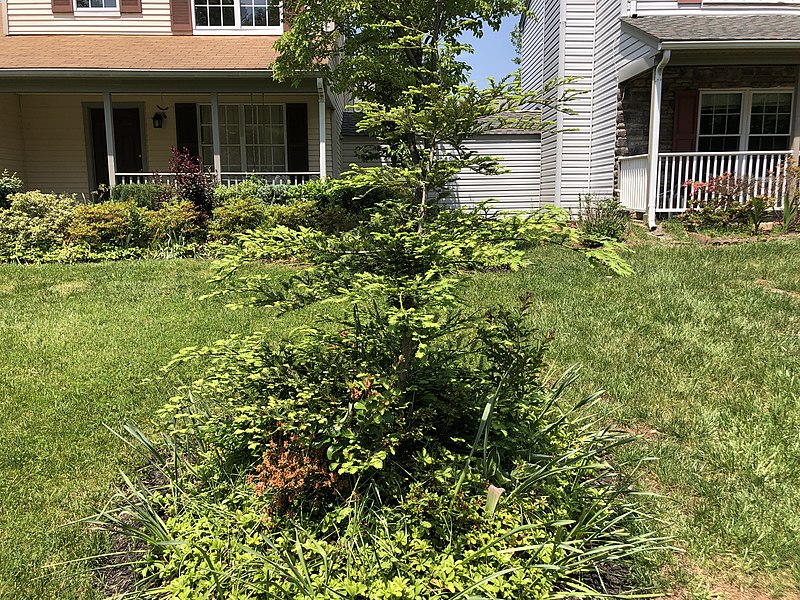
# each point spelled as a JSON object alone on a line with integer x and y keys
{"x": 181, "y": 16}
{"x": 63, "y": 7}
{"x": 130, "y": 6}
{"x": 689, "y": 2}
{"x": 684, "y": 128}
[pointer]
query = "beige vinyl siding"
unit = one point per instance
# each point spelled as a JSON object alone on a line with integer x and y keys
{"x": 11, "y": 141}
{"x": 515, "y": 191}
{"x": 36, "y": 17}
{"x": 55, "y": 143}
{"x": 54, "y": 132}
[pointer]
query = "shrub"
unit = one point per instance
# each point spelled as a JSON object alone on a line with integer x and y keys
{"x": 34, "y": 225}
{"x": 193, "y": 182}
{"x": 236, "y": 214}
{"x": 603, "y": 218}
{"x": 252, "y": 187}
{"x": 10, "y": 183}
{"x": 299, "y": 213}
{"x": 144, "y": 195}
{"x": 337, "y": 463}
{"x": 108, "y": 225}
{"x": 175, "y": 222}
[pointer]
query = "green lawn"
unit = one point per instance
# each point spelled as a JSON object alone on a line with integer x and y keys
{"x": 700, "y": 350}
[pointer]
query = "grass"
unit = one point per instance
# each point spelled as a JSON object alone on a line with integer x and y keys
{"x": 700, "y": 351}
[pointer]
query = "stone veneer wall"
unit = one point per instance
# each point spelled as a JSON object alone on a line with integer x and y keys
{"x": 633, "y": 99}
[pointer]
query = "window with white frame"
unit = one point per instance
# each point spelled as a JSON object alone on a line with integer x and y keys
{"x": 252, "y": 137}
{"x": 236, "y": 14}
{"x": 95, "y": 5}
{"x": 746, "y": 120}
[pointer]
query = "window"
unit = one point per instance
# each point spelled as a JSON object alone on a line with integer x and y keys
{"x": 252, "y": 137}
{"x": 749, "y": 120}
{"x": 235, "y": 14}
{"x": 95, "y": 4}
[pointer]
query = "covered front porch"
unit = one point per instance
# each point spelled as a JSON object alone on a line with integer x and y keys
{"x": 77, "y": 131}
{"x": 701, "y": 105}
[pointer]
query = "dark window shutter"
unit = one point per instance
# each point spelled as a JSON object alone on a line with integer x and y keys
{"x": 63, "y": 7}
{"x": 684, "y": 128}
{"x": 297, "y": 137}
{"x": 181, "y": 16}
{"x": 186, "y": 128}
{"x": 130, "y": 6}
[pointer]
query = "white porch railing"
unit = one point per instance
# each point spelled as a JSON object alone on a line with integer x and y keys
{"x": 288, "y": 178}
{"x": 763, "y": 170}
{"x": 633, "y": 182}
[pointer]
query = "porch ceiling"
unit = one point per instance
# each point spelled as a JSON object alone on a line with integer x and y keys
{"x": 26, "y": 54}
{"x": 705, "y": 31}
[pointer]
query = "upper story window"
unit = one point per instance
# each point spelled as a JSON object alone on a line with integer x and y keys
{"x": 235, "y": 14}
{"x": 104, "y": 5}
{"x": 746, "y": 120}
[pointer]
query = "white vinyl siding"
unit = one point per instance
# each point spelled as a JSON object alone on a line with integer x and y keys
{"x": 36, "y": 17}
{"x": 515, "y": 191}
{"x": 11, "y": 142}
{"x": 604, "y": 99}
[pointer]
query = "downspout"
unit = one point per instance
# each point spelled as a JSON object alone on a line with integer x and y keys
{"x": 323, "y": 150}
{"x": 655, "y": 137}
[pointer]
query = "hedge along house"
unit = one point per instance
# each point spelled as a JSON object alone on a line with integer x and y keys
{"x": 675, "y": 90}
{"x": 99, "y": 92}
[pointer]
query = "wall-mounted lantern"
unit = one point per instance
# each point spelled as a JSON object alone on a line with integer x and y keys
{"x": 160, "y": 116}
{"x": 158, "y": 119}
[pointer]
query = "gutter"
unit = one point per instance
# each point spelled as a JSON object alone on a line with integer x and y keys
{"x": 655, "y": 137}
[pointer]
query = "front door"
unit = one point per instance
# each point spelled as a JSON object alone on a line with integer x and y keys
{"x": 127, "y": 143}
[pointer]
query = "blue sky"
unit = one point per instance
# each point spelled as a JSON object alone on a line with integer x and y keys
{"x": 494, "y": 53}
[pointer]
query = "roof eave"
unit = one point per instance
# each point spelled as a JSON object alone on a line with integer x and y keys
{"x": 729, "y": 45}
{"x": 135, "y": 73}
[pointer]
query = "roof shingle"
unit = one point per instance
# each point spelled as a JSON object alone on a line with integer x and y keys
{"x": 686, "y": 28}
{"x": 138, "y": 52}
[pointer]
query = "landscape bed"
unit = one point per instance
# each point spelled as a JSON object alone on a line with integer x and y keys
{"x": 698, "y": 353}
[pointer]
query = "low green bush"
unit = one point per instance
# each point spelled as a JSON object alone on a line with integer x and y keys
{"x": 34, "y": 225}
{"x": 236, "y": 214}
{"x": 144, "y": 195}
{"x": 10, "y": 183}
{"x": 602, "y": 218}
{"x": 108, "y": 225}
{"x": 176, "y": 222}
{"x": 253, "y": 187}
{"x": 720, "y": 214}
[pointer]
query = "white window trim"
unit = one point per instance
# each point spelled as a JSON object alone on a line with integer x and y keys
{"x": 95, "y": 12}
{"x": 747, "y": 106}
{"x": 236, "y": 29}
{"x": 243, "y": 134}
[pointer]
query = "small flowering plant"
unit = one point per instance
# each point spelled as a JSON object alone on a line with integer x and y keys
{"x": 725, "y": 201}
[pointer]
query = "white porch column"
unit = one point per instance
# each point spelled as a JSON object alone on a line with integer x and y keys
{"x": 323, "y": 149}
{"x": 215, "y": 139}
{"x": 111, "y": 154}
{"x": 654, "y": 138}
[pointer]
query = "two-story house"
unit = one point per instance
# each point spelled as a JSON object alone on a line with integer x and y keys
{"x": 675, "y": 90}
{"x": 99, "y": 91}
